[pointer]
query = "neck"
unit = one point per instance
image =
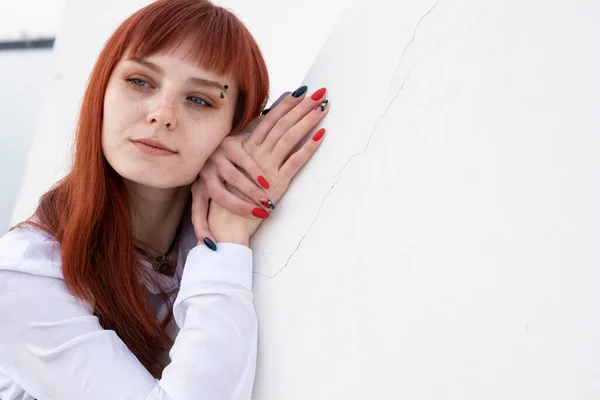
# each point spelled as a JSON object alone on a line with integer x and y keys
{"x": 157, "y": 213}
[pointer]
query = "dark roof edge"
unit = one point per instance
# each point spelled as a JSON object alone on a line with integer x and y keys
{"x": 46, "y": 43}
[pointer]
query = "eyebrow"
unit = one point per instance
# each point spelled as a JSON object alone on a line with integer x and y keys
{"x": 193, "y": 80}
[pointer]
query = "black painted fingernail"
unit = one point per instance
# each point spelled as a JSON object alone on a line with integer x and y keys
{"x": 210, "y": 244}
{"x": 265, "y": 111}
{"x": 299, "y": 92}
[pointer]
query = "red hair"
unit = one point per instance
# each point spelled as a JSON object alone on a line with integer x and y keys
{"x": 88, "y": 211}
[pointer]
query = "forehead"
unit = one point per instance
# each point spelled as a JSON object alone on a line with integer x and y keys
{"x": 182, "y": 57}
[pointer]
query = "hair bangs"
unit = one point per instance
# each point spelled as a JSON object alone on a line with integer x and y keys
{"x": 220, "y": 44}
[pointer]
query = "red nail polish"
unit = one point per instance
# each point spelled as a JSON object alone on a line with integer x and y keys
{"x": 260, "y": 213}
{"x": 319, "y": 135}
{"x": 318, "y": 94}
{"x": 263, "y": 182}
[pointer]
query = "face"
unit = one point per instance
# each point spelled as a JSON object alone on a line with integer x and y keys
{"x": 164, "y": 101}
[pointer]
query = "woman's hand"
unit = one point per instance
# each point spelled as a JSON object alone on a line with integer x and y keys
{"x": 271, "y": 146}
{"x": 222, "y": 171}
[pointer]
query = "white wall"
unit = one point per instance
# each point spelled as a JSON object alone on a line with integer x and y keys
{"x": 24, "y": 77}
{"x": 443, "y": 242}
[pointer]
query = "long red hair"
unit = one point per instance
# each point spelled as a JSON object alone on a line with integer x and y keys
{"x": 88, "y": 211}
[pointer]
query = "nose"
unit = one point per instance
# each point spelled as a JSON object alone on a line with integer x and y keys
{"x": 163, "y": 112}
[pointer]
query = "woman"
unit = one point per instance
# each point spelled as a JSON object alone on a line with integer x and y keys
{"x": 107, "y": 292}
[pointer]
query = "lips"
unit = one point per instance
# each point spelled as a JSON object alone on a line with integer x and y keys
{"x": 155, "y": 143}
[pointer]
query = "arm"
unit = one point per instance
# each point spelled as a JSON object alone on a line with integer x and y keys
{"x": 58, "y": 350}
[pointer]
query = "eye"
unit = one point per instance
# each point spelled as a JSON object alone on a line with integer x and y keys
{"x": 198, "y": 101}
{"x": 138, "y": 82}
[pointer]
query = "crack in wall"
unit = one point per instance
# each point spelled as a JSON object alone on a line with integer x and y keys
{"x": 338, "y": 174}
{"x": 336, "y": 182}
{"x": 412, "y": 40}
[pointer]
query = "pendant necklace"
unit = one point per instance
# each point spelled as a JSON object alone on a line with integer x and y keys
{"x": 161, "y": 264}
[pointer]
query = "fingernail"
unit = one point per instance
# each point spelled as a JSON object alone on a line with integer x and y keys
{"x": 263, "y": 182}
{"x": 318, "y": 94}
{"x": 210, "y": 244}
{"x": 324, "y": 104}
{"x": 299, "y": 92}
{"x": 319, "y": 135}
{"x": 321, "y": 107}
{"x": 267, "y": 203}
{"x": 260, "y": 213}
{"x": 265, "y": 111}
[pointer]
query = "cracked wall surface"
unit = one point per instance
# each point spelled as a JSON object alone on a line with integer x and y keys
{"x": 442, "y": 244}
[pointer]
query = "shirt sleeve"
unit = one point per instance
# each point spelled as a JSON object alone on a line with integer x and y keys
{"x": 58, "y": 350}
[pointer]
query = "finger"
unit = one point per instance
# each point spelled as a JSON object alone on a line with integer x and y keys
{"x": 294, "y": 135}
{"x": 252, "y": 125}
{"x": 297, "y": 160}
{"x": 238, "y": 156}
{"x": 237, "y": 179}
{"x": 268, "y": 121}
{"x": 222, "y": 196}
{"x": 200, "y": 205}
{"x": 279, "y": 100}
{"x": 291, "y": 119}
{"x": 228, "y": 200}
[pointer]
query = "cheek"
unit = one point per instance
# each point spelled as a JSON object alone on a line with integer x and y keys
{"x": 205, "y": 144}
{"x": 202, "y": 143}
{"x": 120, "y": 114}
{"x": 111, "y": 114}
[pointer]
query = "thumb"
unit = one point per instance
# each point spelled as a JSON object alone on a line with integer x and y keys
{"x": 200, "y": 207}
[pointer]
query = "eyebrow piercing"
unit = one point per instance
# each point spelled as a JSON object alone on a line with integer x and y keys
{"x": 226, "y": 87}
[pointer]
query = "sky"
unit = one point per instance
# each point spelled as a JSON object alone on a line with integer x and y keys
{"x": 32, "y": 18}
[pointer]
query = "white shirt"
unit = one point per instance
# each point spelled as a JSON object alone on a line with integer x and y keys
{"x": 52, "y": 347}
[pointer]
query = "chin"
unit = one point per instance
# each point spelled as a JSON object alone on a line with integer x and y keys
{"x": 160, "y": 180}
{"x": 156, "y": 177}
{"x": 154, "y": 183}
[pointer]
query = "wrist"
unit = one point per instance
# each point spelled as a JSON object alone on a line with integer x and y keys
{"x": 229, "y": 227}
{"x": 232, "y": 237}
